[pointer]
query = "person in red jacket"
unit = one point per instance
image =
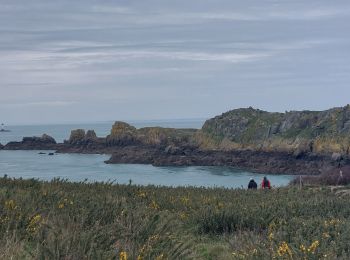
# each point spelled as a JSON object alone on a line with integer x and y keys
{"x": 265, "y": 184}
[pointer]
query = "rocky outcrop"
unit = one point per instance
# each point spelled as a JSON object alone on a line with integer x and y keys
{"x": 1, "y": 147}
{"x": 122, "y": 134}
{"x": 325, "y": 132}
{"x": 278, "y": 163}
{"x": 47, "y": 139}
{"x": 45, "y": 142}
{"x": 83, "y": 142}
{"x": 76, "y": 137}
{"x": 90, "y": 136}
{"x": 296, "y": 142}
{"x": 163, "y": 137}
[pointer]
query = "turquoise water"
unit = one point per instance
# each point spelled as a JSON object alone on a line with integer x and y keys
{"x": 78, "y": 167}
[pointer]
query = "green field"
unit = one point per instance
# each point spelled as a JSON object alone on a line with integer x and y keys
{"x": 63, "y": 220}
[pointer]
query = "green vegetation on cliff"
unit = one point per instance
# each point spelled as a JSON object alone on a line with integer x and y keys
{"x": 125, "y": 134}
{"x": 62, "y": 220}
{"x": 304, "y": 131}
{"x": 302, "y": 134}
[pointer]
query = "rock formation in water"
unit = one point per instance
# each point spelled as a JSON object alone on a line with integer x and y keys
{"x": 294, "y": 142}
{"x": 123, "y": 134}
{"x": 45, "y": 142}
{"x": 78, "y": 137}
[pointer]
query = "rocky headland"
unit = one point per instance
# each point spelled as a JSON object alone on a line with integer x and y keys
{"x": 45, "y": 142}
{"x": 295, "y": 142}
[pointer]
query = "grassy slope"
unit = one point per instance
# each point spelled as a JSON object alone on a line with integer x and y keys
{"x": 328, "y": 130}
{"x": 62, "y": 220}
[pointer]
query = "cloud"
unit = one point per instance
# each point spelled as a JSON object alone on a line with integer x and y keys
{"x": 48, "y": 60}
{"x": 114, "y": 9}
{"x": 310, "y": 14}
{"x": 89, "y": 16}
{"x": 56, "y": 103}
{"x": 83, "y": 54}
{"x": 230, "y": 57}
{"x": 114, "y": 56}
{"x": 259, "y": 14}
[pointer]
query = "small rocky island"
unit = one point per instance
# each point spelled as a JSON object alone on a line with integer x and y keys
{"x": 2, "y": 128}
{"x": 295, "y": 142}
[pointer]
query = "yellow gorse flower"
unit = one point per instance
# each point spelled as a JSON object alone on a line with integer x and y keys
{"x": 34, "y": 223}
{"x": 272, "y": 227}
{"x": 284, "y": 249}
{"x": 65, "y": 202}
{"x": 271, "y": 236}
{"x": 4, "y": 219}
{"x": 183, "y": 216}
{"x": 303, "y": 248}
{"x": 326, "y": 235}
{"x": 332, "y": 222}
{"x": 220, "y": 205}
{"x": 123, "y": 255}
{"x": 313, "y": 246}
{"x": 154, "y": 205}
{"x": 10, "y": 205}
{"x": 185, "y": 200}
{"x": 142, "y": 194}
{"x": 160, "y": 257}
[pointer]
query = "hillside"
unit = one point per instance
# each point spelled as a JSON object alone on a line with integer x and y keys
{"x": 324, "y": 132}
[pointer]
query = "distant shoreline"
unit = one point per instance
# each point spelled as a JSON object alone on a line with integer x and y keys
{"x": 296, "y": 142}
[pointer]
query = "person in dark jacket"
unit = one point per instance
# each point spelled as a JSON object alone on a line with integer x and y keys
{"x": 252, "y": 184}
{"x": 265, "y": 184}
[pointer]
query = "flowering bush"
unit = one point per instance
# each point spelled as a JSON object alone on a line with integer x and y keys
{"x": 58, "y": 219}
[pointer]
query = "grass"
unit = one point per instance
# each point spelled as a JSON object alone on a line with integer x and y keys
{"x": 63, "y": 220}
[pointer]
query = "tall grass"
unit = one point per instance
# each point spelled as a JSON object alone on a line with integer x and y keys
{"x": 63, "y": 220}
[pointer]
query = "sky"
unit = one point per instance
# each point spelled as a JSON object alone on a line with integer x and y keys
{"x": 98, "y": 60}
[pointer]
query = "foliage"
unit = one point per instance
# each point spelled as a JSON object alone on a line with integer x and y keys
{"x": 63, "y": 220}
{"x": 321, "y": 132}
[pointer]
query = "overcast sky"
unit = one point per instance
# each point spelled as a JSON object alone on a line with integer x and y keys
{"x": 97, "y": 60}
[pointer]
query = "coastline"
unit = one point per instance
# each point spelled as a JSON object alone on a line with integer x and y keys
{"x": 255, "y": 161}
{"x": 295, "y": 142}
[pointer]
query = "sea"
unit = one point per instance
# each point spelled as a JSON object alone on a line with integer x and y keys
{"x": 91, "y": 167}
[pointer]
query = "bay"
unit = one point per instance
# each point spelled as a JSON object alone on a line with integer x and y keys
{"x": 91, "y": 167}
{"x": 80, "y": 167}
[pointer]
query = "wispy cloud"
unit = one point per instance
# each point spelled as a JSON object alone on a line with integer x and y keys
{"x": 41, "y": 60}
{"x": 262, "y": 14}
{"x": 125, "y": 55}
{"x": 113, "y": 9}
{"x": 55, "y": 103}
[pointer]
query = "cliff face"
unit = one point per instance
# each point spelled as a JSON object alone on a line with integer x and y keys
{"x": 79, "y": 137}
{"x": 123, "y": 134}
{"x": 324, "y": 132}
{"x": 297, "y": 132}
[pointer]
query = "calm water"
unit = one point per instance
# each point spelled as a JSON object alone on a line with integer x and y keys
{"x": 78, "y": 167}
